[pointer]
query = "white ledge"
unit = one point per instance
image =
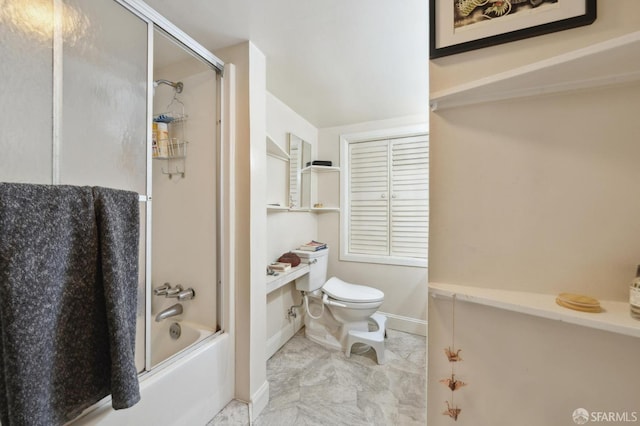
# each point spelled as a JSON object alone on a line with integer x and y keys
{"x": 283, "y": 278}
{"x": 612, "y": 62}
{"x": 325, "y": 209}
{"x": 615, "y": 317}
{"x": 275, "y": 150}
{"x": 321, "y": 169}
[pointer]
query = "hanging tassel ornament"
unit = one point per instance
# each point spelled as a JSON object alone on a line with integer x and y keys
{"x": 453, "y": 356}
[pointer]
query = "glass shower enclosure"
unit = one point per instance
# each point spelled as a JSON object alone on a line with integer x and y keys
{"x": 79, "y": 107}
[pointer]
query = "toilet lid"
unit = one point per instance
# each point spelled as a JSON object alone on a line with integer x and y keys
{"x": 340, "y": 290}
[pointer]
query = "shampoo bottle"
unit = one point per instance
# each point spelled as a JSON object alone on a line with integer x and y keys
{"x": 634, "y": 296}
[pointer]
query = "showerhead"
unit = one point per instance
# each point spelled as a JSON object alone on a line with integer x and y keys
{"x": 177, "y": 86}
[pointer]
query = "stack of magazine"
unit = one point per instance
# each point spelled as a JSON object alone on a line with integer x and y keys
{"x": 313, "y": 246}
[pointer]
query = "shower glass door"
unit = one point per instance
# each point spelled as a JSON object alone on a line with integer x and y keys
{"x": 74, "y": 101}
{"x": 104, "y": 106}
{"x": 104, "y": 111}
{"x": 184, "y": 229}
{"x": 26, "y": 46}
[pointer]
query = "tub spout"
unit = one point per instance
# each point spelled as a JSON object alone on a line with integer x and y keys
{"x": 171, "y": 311}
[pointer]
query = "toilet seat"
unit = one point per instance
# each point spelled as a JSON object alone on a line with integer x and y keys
{"x": 347, "y": 292}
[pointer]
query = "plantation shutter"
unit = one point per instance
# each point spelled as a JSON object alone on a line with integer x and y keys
{"x": 388, "y": 197}
{"x": 368, "y": 198}
{"x": 409, "y": 197}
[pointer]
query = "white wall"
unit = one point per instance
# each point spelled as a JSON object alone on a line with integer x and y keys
{"x": 250, "y": 219}
{"x": 405, "y": 288}
{"x": 543, "y": 202}
{"x": 285, "y": 230}
{"x": 538, "y": 195}
{"x": 614, "y": 19}
{"x": 258, "y": 225}
{"x": 527, "y": 371}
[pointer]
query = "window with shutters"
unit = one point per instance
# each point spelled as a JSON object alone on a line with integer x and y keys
{"x": 385, "y": 199}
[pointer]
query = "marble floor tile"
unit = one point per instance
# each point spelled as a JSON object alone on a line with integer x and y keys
{"x": 315, "y": 386}
{"x": 236, "y": 413}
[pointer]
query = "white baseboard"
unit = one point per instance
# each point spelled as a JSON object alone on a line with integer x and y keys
{"x": 406, "y": 324}
{"x": 259, "y": 402}
{"x": 276, "y": 341}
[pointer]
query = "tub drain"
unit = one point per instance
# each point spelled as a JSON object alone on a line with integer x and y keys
{"x": 175, "y": 331}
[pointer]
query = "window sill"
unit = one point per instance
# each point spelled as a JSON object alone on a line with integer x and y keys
{"x": 384, "y": 260}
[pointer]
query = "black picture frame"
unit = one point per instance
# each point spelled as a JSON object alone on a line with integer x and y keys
{"x": 485, "y": 38}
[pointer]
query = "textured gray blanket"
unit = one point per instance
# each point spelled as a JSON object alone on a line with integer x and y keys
{"x": 68, "y": 277}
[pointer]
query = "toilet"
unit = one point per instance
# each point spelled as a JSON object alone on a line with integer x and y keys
{"x": 339, "y": 314}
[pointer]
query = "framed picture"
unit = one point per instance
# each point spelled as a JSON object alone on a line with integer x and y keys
{"x": 462, "y": 25}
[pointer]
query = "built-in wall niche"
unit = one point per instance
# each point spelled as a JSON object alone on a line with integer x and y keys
{"x": 324, "y": 184}
{"x": 299, "y": 183}
{"x": 293, "y": 183}
{"x": 277, "y": 176}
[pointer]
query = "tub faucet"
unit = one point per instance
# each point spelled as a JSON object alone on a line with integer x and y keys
{"x": 171, "y": 311}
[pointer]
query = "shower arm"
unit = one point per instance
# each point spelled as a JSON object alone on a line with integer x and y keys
{"x": 177, "y": 86}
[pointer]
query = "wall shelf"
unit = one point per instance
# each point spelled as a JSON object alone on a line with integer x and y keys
{"x": 321, "y": 169}
{"x": 615, "y": 317}
{"x": 274, "y": 150}
{"x": 275, "y": 209}
{"x": 314, "y": 171}
{"x": 325, "y": 209}
{"x": 612, "y": 62}
{"x": 171, "y": 150}
{"x": 283, "y": 278}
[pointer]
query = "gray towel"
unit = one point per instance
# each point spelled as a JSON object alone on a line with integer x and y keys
{"x": 68, "y": 277}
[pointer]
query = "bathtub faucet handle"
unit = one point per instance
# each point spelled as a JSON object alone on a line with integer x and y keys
{"x": 162, "y": 290}
{"x": 174, "y": 292}
{"x": 187, "y": 294}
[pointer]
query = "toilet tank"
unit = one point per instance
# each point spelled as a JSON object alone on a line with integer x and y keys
{"x": 317, "y": 276}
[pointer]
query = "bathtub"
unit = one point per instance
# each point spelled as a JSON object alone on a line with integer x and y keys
{"x": 189, "y": 388}
{"x": 164, "y": 346}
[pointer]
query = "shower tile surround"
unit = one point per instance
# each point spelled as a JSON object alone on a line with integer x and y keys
{"x": 311, "y": 385}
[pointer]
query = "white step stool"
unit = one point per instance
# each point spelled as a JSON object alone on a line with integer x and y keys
{"x": 375, "y": 339}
